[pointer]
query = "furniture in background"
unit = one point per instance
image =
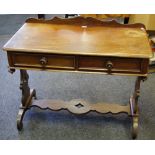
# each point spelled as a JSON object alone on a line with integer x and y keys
{"x": 124, "y": 17}
{"x": 149, "y": 21}
{"x": 41, "y": 16}
{"x": 70, "y": 15}
{"x": 49, "y": 46}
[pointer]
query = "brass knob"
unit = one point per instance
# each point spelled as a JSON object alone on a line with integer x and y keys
{"x": 43, "y": 61}
{"x": 109, "y": 65}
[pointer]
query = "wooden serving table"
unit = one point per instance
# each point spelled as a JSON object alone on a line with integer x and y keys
{"x": 85, "y": 45}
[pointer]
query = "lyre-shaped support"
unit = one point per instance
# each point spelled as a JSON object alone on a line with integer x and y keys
{"x": 26, "y": 99}
{"x": 134, "y": 106}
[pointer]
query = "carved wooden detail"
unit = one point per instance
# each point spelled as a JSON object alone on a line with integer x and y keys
{"x": 24, "y": 87}
{"x": 109, "y": 65}
{"x": 26, "y": 100}
{"x": 89, "y": 21}
{"x": 80, "y": 106}
{"x": 76, "y": 106}
{"x": 134, "y": 106}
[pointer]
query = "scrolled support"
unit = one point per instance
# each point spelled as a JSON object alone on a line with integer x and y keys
{"x": 24, "y": 77}
{"x": 26, "y": 100}
{"x": 135, "y": 122}
{"x": 134, "y": 106}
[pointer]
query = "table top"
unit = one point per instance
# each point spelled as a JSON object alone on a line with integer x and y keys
{"x": 81, "y": 36}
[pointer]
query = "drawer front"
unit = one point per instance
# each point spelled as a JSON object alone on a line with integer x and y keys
{"x": 133, "y": 66}
{"x": 112, "y": 64}
{"x": 43, "y": 61}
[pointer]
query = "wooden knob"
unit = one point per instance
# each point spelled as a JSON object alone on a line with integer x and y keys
{"x": 109, "y": 65}
{"x": 43, "y": 61}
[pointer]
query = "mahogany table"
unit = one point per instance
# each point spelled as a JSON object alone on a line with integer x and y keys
{"x": 84, "y": 45}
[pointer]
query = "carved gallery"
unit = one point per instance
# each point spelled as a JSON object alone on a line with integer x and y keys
{"x": 77, "y": 76}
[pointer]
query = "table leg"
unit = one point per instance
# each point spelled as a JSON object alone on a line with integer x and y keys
{"x": 134, "y": 107}
{"x": 26, "y": 100}
{"x": 77, "y": 107}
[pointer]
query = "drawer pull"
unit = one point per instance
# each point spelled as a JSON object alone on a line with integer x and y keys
{"x": 43, "y": 61}
{"x": 109, "y": 65}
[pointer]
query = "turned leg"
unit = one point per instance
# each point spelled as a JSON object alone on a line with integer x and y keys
{"x": 134, "y": 107}
{"x": 26, "y": 99}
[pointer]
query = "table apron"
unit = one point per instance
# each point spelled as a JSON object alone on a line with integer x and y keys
{"x": 80, "y": 63}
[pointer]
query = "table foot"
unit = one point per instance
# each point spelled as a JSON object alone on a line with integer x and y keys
{"x": 135, "y": 120}
{"x": 135, "y": 117}
{"x": 20, "y": 118}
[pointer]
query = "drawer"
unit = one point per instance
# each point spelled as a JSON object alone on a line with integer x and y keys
{"x": 42, "y": 61}
{"x": 112, "y": 64}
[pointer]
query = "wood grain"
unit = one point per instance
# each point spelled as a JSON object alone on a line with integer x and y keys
{"x": 79, "y": 44}
{"x": 81, "y": 36}
{"x": 80, "y": 106}
{"x": 89, "y": 21}
{"x": 96, "y": 64}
